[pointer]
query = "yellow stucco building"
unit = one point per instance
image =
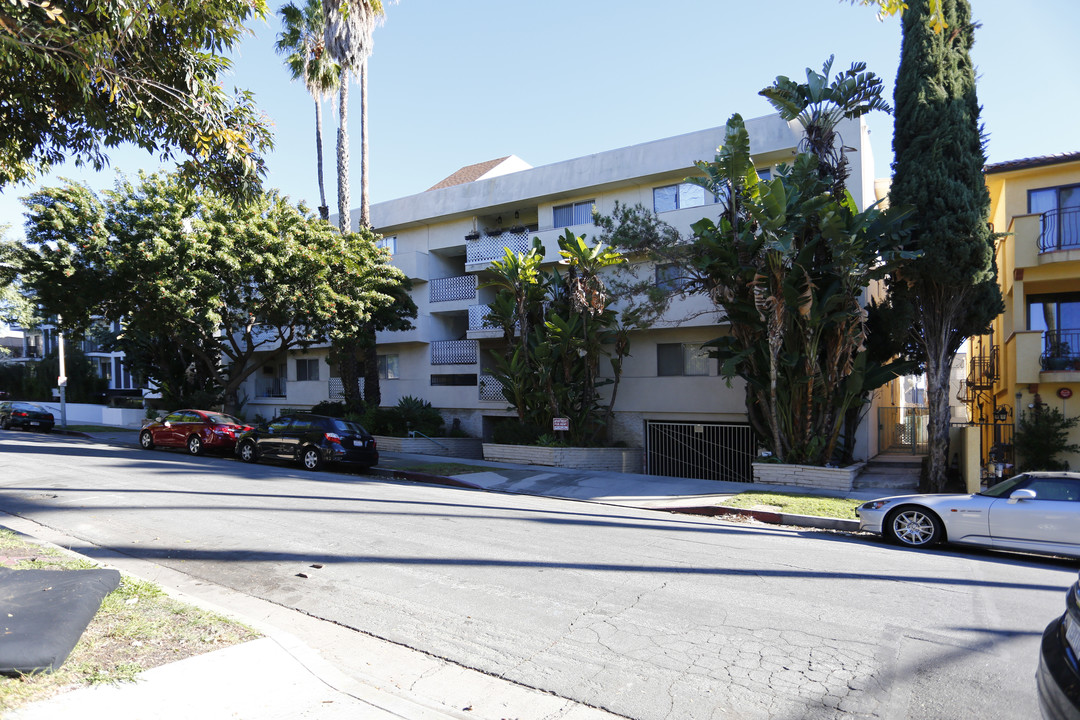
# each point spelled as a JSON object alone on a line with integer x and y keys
{"x": 1032, "y": 354}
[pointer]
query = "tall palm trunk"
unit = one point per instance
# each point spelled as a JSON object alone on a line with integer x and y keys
{"x": 365, "y": 200}
{"x": 372, "y": 389}
{"x": 324, "y": 209}
{"x": 343, "y": 152}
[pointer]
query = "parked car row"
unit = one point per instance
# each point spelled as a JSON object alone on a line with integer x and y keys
{"x": 29, "y": 416}
{"x": 312, "y": 440}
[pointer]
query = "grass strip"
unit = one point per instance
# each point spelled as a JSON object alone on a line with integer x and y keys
{"x": 815, "y": 505}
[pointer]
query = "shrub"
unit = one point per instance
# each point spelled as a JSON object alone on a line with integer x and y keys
{"x": 331, "y": 408}
{"x": 1041, "y": 436}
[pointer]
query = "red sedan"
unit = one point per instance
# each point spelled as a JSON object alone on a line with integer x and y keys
{"x": 196, "y": 430}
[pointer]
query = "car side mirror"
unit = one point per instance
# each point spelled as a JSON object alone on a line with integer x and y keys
{"x": 1022, "y": 494}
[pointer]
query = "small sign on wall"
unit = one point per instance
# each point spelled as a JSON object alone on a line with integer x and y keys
{"x": 558, "y": 424}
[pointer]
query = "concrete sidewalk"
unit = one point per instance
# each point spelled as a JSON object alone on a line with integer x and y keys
{"x": 330, "y": 673}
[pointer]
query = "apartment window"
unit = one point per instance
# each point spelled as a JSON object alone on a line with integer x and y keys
{"x": 671, "y": 278}
{"x": 454, "y": 380}
{"x": 683, "y": 195}
{"x": 388, "y": 367}
{"x": 765, "y": 173}
{"x": 1060, "y": 211}
{"x": 673, "y": 359}
{"x": 579, "y": 213}
{"x": 307, "y": 369}
{"x": 1058, "y": 312}
{"x": 387, "y": 243}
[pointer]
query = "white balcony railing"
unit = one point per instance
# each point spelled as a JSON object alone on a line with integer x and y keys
{"x": 270, "y": 387}
{"x": 461, "y": 287}
{"x": 478, "y": 318}
{"x": 491, "y": 389}
{"x": 454, "y": 352}
{"x": 492, "y": 247}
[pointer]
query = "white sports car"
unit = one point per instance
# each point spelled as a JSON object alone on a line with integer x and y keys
{"x": 1032, "y": 512}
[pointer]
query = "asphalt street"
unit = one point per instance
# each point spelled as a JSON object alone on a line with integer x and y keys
{"x": 644, "y": 614}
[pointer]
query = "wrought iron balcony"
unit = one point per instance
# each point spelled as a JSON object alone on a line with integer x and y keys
{"x": 983, "y": 370}
{"x": 461, "y": 287}
{"x": 454, "y": 352}
{"x": 492, "y": 247}
{"x": 1061, "y": 350}
{"x": 1060, "y": 230}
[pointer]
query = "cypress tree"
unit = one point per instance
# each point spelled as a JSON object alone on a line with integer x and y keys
{"x": 939, "y": 154}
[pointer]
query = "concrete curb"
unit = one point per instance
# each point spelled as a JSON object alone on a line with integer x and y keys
{"x": 774, "y": 518}
{"x": 423, "y": 477}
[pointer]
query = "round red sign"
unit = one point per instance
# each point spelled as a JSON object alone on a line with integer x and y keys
{"x": 1064, "y": 393}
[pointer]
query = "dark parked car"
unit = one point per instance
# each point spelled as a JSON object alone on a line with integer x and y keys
{"x": 1058, "y": 677}
{"x": 196, "y": 430}
{"x": 311, "y": 440}
{"x": 30, "y": 416}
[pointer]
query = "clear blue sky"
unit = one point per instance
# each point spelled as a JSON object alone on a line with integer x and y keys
{"x": 456, "y": 83}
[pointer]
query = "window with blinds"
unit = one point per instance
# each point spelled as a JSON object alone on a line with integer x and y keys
{"x": 579, "y": 213}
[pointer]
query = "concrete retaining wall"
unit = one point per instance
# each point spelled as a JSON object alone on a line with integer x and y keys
{"x": 627, "y": 460}
{"x": 86, "y": 414}
{"x": 471, "y": 448}
{"x": 807, "y": 475}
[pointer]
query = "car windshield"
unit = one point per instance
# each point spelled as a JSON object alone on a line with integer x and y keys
{"x": 222, "y": 419}
{"x": 1004, "y": 487}
{"x": 28, "y": 406}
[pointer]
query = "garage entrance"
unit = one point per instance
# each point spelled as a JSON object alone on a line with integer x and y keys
{"x": 710, "y": 451}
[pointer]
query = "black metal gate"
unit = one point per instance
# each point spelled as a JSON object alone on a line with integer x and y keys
{"x": 710, "y": 451}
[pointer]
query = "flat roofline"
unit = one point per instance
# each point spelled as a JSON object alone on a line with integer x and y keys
{"x": 581, "y": 175}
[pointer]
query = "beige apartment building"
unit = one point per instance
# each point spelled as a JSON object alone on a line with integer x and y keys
{"x": 671, "y": 402}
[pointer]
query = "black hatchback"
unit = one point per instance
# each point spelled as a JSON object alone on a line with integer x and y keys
{"x": 311, "y": 440}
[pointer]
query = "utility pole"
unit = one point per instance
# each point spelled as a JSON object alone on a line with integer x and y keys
{"x": 62, "y": 380}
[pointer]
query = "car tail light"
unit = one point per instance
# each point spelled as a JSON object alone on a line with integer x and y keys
{"x": 51, "y": 416}
{"x": 20, "y": 413}
{"x": 333, "y": 437}
{"x": 374, "y": 443}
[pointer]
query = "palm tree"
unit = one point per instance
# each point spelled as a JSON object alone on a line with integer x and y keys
{"x": 302, "y": 41}
{"x": 350, "y": 25}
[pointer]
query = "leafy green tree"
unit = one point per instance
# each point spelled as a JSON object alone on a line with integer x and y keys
{"x": 302, "y": 41}
{"x": 234, "y": 287}
{"x": 951, "y": 291}
{"x": 78, "y": 79}
{"x": 15, "y": 306}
